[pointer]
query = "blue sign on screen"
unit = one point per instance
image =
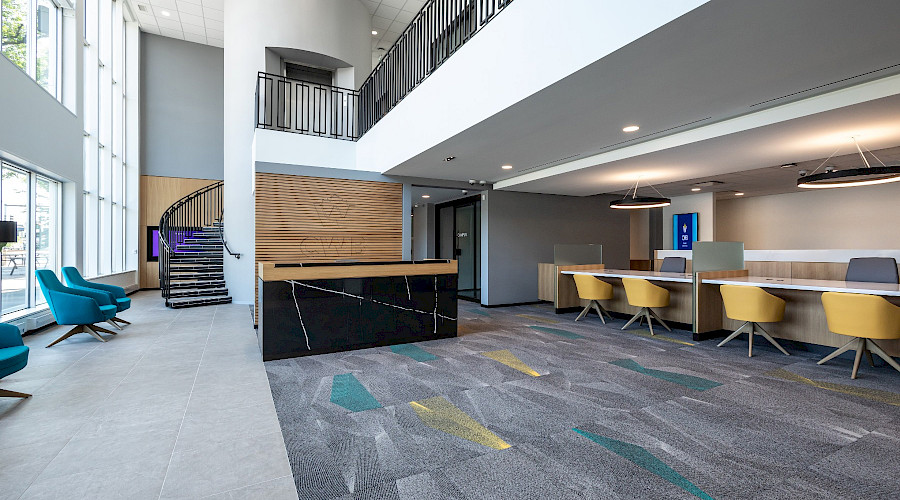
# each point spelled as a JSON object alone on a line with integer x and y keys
{"x": 684, "y": 229}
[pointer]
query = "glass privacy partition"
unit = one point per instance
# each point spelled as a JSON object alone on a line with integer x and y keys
{"x": 574, "y": 255}
{"x": 717, "y": 256}
{"x": 708, "y": 257}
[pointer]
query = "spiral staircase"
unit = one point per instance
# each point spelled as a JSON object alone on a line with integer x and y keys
{"x": 192, "y": 250}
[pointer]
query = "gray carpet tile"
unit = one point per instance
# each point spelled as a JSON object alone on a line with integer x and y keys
{"x": 757, "y": 435}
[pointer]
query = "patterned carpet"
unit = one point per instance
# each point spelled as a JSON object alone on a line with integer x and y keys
{"x": 529, "y": 404}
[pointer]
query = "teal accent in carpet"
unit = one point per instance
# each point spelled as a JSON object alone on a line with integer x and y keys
{"x": 483, "y": 313}
{"x": 413, "y": 351}
{"x": 557, "y": 331}
{"x": 346, "y": 391}
{"x": 647, "y": 460}
{"x": 700, "y": 384}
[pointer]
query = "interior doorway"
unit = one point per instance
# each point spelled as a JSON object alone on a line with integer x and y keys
{"x": 458, "y": 235}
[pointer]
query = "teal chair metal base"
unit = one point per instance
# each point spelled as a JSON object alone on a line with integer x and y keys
{"x": 89, "y": 329}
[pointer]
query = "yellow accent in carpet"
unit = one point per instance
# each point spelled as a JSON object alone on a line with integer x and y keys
{"x": 442, "y": 415}
{"x": 509, "y": 359}
{"x": 538, "y": 318}
{"x": 886, "y": 397}
{"x": 646, "y": 333}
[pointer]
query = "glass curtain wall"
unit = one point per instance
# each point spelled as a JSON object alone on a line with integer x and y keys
{"x": 29, "y": 38}
{"x": 32, "y": 201}
{"x": 106, "y": 174}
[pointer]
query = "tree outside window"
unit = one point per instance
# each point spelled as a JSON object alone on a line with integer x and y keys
{"x": 14, "y": 40}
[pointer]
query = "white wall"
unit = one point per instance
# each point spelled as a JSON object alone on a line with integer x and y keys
{"x": 530, "y": 45}
{"x": 335, "y": 28}
{"x": 705, "y": 206}
{"x": 272, "y": 146}
{"x": 846, "y": 218}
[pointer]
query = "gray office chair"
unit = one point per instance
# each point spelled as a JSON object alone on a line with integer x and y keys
{"x": 673, "y": 265}
{"x": 873, "y": 270}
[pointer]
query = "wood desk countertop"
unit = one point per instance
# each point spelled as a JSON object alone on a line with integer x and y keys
{"x": 884, "y": 289}
{"x": 647, "y": 275}
{"x": 270, "y": 271}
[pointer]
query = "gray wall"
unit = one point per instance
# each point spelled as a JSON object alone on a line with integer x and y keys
{"x": 520, "y": 229}
{"x": 182, "y": 108}
{"x": 423, "y": 232}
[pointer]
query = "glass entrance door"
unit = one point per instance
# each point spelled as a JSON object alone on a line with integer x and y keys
{"x": 467, "y": 248}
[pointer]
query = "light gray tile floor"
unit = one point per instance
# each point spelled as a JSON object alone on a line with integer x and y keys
{"x": 177, "y": 405}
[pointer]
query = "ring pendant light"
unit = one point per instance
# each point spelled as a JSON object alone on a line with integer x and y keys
{"x": 636, "y": 202}
{"x": 863, "y": 176}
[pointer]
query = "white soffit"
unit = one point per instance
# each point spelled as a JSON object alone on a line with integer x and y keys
{"x": 832, "y": 101}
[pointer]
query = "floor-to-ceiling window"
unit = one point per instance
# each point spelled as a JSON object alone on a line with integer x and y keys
{"x": 30, "y": 39}
{"x": 107, "y": 176}
{"x": 32, "y": 201}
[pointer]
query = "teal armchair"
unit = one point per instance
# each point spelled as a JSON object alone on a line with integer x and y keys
{"x": 117, "y": 294}
{"x": 13, "y": 356}
{"x": 73, "y": 306}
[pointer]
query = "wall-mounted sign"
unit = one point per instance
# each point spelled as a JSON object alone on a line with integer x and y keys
{"x": 684, "y": 231}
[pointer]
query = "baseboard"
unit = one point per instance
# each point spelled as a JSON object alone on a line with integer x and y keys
{"x": 491, "y": 306}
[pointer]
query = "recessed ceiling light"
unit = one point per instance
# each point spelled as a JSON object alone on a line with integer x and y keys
{"x": 374, "y": 32}
{"x": 166, "y": 13}
{"x": 631, "y": 128}
{"x": 739, "y": 194}
{"x": 450, "y": 158}
{"x": 789, "y": 165}
{"x": 506, "y": 167}
{"x": 695, "y": 189}
{"x": 429, "y": 196}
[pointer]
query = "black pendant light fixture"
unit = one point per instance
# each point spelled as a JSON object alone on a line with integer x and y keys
{"x": 863, "y": 176}
{"x": 634, "y": 201}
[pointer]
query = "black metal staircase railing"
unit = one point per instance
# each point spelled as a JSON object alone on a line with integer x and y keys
{"x": 191, "y": 243}
{"x": 439, "y": 29}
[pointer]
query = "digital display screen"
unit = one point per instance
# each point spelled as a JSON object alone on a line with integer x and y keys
{"x": 684, "y": 229}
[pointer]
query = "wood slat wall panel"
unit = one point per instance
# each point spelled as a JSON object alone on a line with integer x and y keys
{"x": 157, "y": 195}
{"x": 315, "y": 219}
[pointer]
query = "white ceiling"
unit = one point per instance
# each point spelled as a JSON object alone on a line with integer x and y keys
{"x": 199, "y": 21}
{"x": 389, "y": 19}
{"x": 723, "y": 60}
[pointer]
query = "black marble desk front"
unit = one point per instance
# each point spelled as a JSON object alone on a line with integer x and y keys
{"x": 301, "y": 316}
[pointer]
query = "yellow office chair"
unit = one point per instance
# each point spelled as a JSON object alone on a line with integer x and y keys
{"x": 753, "y": 306}
{"x": 863, "y": 317}
{"x": 593, "y": 289}
{"x": 641, "y": 293}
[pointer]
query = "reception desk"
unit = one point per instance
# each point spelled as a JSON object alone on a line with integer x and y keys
{"x": 307, "y": 309}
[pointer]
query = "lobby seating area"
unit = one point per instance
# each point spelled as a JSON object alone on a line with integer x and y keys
{"x": 449, "y": 250}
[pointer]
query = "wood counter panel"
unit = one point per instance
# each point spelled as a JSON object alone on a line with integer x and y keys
{"x": 681, "y": 300}
{"x": 317, "y": 219}
{"x": 804, "y": 321}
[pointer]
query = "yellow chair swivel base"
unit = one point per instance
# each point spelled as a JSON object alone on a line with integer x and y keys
{"x": 754, "y": 328}
{"x": 649, "y": 315}
{"x": 862, "y": 345}
{"x": 597, "y": 307}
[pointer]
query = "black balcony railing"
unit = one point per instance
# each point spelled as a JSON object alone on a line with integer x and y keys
{"x": 306, "y": 108}
{"x": 439, "y": 29}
